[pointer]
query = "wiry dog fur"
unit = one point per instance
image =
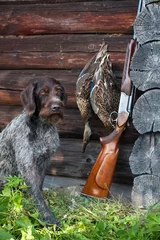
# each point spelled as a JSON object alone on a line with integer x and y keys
{"x": 28, "y": 142}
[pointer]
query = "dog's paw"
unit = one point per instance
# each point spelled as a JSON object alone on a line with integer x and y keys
{"x": 53, "y": 221}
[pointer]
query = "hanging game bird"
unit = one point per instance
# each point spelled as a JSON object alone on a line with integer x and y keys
{"x": 97, "y": 91}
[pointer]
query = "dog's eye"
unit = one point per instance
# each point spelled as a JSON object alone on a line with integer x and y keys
{"x": 44, "y": 92}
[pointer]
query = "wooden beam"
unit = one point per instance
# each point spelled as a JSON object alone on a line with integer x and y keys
{"x": 50, "y": 60}
{"x": 69, "y": 161}
{"x": 71, "y": 3}
{"x": 72, "y": 125}
{"x": 68, "y": 43}
{"x": 65, "y": 18}
{"x": 17, "y": 80}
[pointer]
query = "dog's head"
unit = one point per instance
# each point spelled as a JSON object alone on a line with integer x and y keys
{"x": 46, "y": 99}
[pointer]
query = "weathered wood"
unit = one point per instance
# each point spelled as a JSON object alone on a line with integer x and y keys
{"x": 82, "y": 18}
{"x": 150, "y": 1}
{"x": 124, "y": 3}
{"x": 69, "y": 161}
{"x": 41, "y": 1}
{"x": 146, "y": 191}
{"x": 146, "y": 112}
{"x": 145, "y": 66}
{"x": 145, "y": 156}
{"x": 11, "y": 88}
{"x": 67, "y": 43}
{"x": 72, "y": 125}
{"x": 147, "y": 24}
{"x": 12, "y": 98}
{"x": 17, "y": 80}
{"x": 50, "y": 60}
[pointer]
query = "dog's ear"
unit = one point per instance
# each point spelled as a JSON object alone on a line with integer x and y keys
{"x": 28, "y": 99}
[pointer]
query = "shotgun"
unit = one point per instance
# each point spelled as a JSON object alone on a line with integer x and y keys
{"x": 100, "y": 178}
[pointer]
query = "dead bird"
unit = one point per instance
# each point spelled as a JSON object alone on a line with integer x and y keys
{"x": 105, "y": 95}
{"x": 83, "y": 89}
{"x": 96, "y": 91}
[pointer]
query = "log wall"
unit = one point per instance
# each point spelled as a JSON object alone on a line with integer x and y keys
{"x": 57, "y": 38}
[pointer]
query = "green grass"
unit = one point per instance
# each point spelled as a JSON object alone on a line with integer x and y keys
{"x": 81, "y": 218}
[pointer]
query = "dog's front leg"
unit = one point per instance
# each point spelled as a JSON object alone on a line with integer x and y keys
{"x": 33, "y": 179}
{"x": 27, "y": 168}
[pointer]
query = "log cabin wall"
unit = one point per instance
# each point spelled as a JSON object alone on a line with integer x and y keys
{"x": 57, "y": 38}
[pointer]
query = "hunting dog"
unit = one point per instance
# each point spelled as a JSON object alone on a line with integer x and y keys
{"x": 27, "y": 143}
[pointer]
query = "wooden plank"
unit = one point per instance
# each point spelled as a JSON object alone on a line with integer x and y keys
{"x": 71, "y": 3}
{"x": 89, "y": 43}
{"x": 72, "y": 125}
{"x": 12, "y": 98}
{"x": 50, "y": 60}
{"x": 17, "y": 80}
{"x": 70, "y": 161}
{"x": 11, "y": 85}
{"x": 46, "y": 19}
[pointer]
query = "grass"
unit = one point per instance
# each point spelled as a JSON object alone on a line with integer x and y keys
{"x": 81, "y": 218}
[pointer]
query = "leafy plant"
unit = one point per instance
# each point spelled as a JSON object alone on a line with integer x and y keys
{"x": 81, "y": 218}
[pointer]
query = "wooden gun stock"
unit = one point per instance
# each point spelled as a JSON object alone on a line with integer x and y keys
{"x": 100, "y": 179}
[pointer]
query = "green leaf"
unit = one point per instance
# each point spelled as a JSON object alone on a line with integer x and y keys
{"x": 4, "y": 235}
{"x": 23, "y": 222}
{"x": 4, "y": 204}
{"x": 101, "y": 225}
{"x": 6, "y": 191}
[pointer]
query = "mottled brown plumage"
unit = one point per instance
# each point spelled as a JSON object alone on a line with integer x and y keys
{"x": 96, "y": 91}
{"x": 105, "y": 95}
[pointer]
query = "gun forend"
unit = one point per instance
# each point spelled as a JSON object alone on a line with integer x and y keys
{"x": 126, "y": 81}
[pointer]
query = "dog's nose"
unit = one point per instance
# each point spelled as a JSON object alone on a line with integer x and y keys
{"x": 55, "y": 107}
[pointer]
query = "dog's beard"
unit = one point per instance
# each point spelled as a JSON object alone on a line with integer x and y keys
{"x": 50, "y": 116}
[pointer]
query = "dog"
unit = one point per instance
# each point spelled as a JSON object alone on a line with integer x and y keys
{"x": 29, "y": 140}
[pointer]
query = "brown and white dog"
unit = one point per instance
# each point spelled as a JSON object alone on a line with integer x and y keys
{"x": 27, "y": 143}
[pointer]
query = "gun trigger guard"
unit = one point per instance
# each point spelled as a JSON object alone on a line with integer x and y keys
{"x": 113, "y": 119}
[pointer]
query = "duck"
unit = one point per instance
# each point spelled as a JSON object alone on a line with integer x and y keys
{"x": 91, "y": 87}
{"x": 105, "y": 95}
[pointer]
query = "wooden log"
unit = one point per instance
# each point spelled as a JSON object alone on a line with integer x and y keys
{"x": 145, "y": 66}
{"x": 17, "y": 80}
{"x": 145, "y": 156}
{"x": 122, "y": 3}
{"x": 146, "y": 191}
{"x": 50, "y": 60}
{"x": 70, "y": 161}
{"x": 39, "y": 1}
{"x": 64, "y": 43}
{"x": 146, "y": 26}
{"x": 82, "y": 18}
{"x": 72, "y": 125}
{"x": 12, "y": 98}
{"x": 146, "y": 112}
{"x": 11, "y": 85}
{"x": 150, "y": 1}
